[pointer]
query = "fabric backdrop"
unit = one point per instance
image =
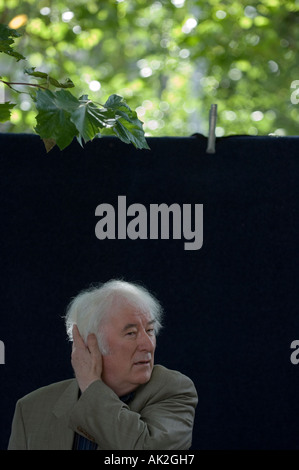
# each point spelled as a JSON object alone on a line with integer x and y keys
{"x": 231, "y": 307}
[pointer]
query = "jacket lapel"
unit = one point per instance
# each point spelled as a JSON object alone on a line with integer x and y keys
{"x": 62, "y": 435}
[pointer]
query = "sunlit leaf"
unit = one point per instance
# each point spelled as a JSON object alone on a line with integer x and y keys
{"x": 127, "y": 127}
{"x": 61, "y": 117}
{"x": 130, "y": 133}
{"x": 116, "y": 102}
{"x": 86, "y": 120}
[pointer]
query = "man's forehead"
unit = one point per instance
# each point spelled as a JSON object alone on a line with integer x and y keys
{"x": 146, "y": 323}
{"x": 131, "y": 314}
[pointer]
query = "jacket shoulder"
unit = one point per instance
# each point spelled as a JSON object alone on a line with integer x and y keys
{"x": 167, "y": 384}
{"x": 170, "y": 377}
{"x": 49, "y": 392}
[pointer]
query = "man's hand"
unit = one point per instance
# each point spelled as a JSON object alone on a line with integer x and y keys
{"x": 86, "y": 359}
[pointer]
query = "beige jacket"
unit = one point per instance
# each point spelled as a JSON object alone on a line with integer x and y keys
{"x": 160, "y": 416}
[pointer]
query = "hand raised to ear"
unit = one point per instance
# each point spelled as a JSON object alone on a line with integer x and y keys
{"x": 86, "y": 359}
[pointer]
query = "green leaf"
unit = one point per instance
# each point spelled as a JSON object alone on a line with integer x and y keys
{"x": 116, "y": 102}
{"x": 88, "y": 119}
{"x": 54, "y": 116}
{"x": 127, "y": 127}
{"x": 61, "y": 117}
{"x": 5, "y": 111}
{"x": 35, "y": 73}
{"x": 128, "y": 132}
{"x": 6, "y": 39}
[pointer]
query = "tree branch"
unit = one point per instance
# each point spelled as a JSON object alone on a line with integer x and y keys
{"x": 23, "y": 84}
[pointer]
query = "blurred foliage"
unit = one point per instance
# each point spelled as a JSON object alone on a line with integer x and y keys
{"x": 170, "y": 60}
{"x": 61, "y": 116}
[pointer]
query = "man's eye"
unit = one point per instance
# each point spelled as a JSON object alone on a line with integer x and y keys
{"x": 151, "y": 331}
{"x": 131, "y": 333}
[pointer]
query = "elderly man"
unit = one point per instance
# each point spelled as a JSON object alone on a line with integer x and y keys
{"x": 118, "y": 399}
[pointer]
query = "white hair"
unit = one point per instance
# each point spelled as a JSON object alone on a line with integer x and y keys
{"x": 91, "y": 306}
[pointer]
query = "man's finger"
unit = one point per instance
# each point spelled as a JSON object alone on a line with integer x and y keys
{"x": 92, "y": 343}
{"x": 77, "y": 338}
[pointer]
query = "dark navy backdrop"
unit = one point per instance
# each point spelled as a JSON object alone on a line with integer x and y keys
{"x": 231, "y": 307}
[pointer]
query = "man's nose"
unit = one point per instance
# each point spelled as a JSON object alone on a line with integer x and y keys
{"x": 146, "y": 342}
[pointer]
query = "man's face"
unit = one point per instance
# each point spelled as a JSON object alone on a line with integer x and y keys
{"x": 131, "y": 340}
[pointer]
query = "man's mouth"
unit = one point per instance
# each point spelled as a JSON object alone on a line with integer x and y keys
{"x": 142, "y": 363}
